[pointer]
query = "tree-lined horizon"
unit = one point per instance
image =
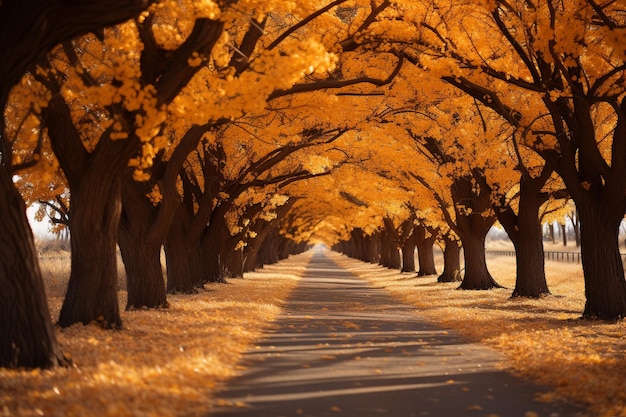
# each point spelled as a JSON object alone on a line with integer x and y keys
{"x": 232, "y": 134}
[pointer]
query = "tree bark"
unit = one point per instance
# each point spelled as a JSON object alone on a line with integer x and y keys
{"x": 144, "y": 272}
{"x": 408, "y": 254}
{"x": 92, "y": 290}
{"x": 472, "y": 227}
{"x": 425, "y": 253}
{"x": 183, "y": 257}
{"x": 451, "y": 261}
{"x": 374, "y": 248}
{"x": 95, "y": 182}
{"x": 27, "y": 337}
{"x": 477, "y": 276}
{"x": 390, "y": 252}
{"x": 526, "y": 235}
{"x": 605, "y": 287}
{"x": 598, "y": 191}
{"x": 141, "y": 248}
{"x": 218, "y": 247}
{"x": 524, "y": 230}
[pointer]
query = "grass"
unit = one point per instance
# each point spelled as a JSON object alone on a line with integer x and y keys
{"x": 543, "y": 340}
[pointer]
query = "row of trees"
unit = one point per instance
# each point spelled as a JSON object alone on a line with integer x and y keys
{"x": 234, "y": 133}
{"x": 159, "y": 133}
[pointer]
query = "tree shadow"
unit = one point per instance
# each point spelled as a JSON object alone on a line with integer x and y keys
{"x": 362, "y": 353}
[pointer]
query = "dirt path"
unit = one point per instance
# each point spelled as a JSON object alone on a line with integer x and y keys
{"x": 343, "y": 347}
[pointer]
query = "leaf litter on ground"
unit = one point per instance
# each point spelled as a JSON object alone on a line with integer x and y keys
{"x": 164, "y": 362}
{"x": 544, "y": 340}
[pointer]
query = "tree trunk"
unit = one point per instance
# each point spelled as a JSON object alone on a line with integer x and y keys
{"x": 524, "y": 230}
{"x": 27, "y": 337}
{"x": 390, "y": 254}
{"x": 251, "y": 256}
{"x": 408, "y": 254}
{"x": 144, "y": 272}
{"x": 530, "y": 279}
{"x": 218, "y": 252}
{"x": 477, "y": 276}
{"x": 605, "y": 287}
{"x": 451, "y": 261}
{"x": 374, "y": 248}
{"x": 425, "y": 252}
{"x": 564, "y": 234}
{"x": 285, "y": 248}
{"x": 92, "y": 290}
{"x": 472, "y": 228}
{"x": 526, "y": 235}
{"x": 551, "y": 232}
{"x": 268, "y": 253}
{"x": 183, "y": 258}
{"x": 141, "y": 249}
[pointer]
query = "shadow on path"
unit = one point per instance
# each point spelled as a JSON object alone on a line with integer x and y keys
{"x": 343, "y": 347}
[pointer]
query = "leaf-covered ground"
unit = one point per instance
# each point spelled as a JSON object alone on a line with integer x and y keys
{"x": 168, "y": 362}
{"x": 544, "y": 340}
{"x": 163, "y": 363}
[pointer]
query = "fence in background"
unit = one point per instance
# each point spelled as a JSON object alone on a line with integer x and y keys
{"x": 550, "y": 255}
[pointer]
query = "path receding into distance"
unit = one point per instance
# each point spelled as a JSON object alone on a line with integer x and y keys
{"x": 343, "y": 347}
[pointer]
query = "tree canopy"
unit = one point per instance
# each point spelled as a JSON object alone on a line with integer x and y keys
{"x": 233, "y": 133}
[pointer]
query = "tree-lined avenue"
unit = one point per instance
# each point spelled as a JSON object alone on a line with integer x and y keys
{"x": 344, "y": 347}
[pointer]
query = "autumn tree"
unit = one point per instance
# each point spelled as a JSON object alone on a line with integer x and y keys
{"x": 27, "y": 33}
{"x": 123, "y": 124}
{"x": 568, "y": 61}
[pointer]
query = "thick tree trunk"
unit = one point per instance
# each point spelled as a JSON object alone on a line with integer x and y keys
{"x": 92, "y": 290}
{"x": 251, "y": 252}
{"x": 408, "y": 254}
{"x": 524, "y": 230}
{"x": 527, "y": 238}
{"x": 218, "y": 252}
{"x": 27, "y": 336}
{"x": 390, "y": 254}
{"x": 285, "y": 248}
{"x": 477, "y": 276}
{"x": 472, "y": 228}
{"x": 374, "y": 248}
{"x": 451, "y": 261}
{"x": 144, "y": 272}
{"x": 425, "y": 254}
{"x": 183, "y": 258}
{"x": 141, "y": 249}
{"x": 530, "y": 279}
{"x": 605, "y": 287}
{"x": 268, "y": 253}
{"x": 598, "y": 192}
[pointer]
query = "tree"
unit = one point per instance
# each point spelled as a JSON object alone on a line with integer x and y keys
{"x": 26, "y": 334}
{"x": 569, "y": 65}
